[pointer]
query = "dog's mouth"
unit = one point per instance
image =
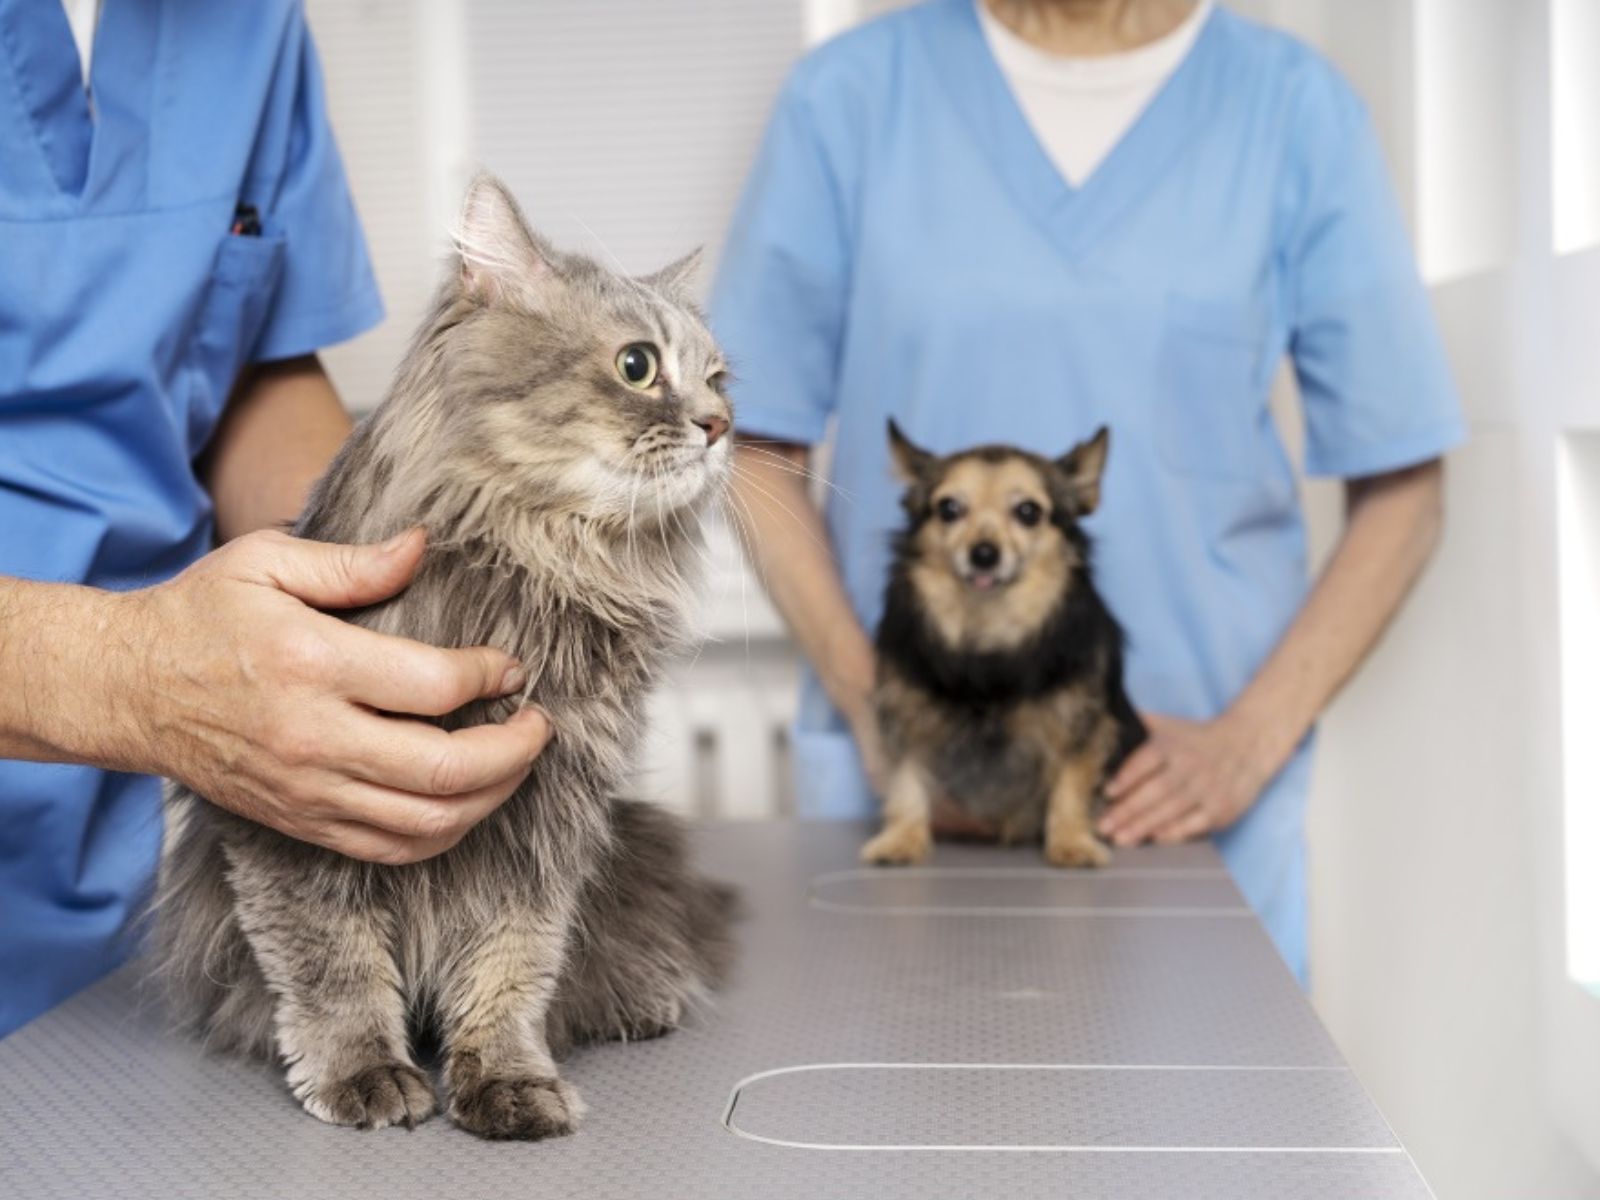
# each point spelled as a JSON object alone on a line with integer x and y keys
{"x": 986, "y": 581}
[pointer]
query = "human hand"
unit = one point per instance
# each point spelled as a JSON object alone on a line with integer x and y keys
{"x": 1189, "y": 778}
{"x": 233, "y": 684}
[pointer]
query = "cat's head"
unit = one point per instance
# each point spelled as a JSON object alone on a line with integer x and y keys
{"x": 574, "y": 385}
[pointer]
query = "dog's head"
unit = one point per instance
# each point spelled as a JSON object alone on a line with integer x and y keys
{"x": 995, "y": 516}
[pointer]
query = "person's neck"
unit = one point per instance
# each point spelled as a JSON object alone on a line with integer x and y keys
{"x": 1086, "y": 28}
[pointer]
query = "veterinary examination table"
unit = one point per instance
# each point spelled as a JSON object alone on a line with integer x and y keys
{"x": 984, "y": 1027}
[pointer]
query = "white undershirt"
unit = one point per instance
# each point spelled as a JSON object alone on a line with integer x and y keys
{"x": 83, "y": 16}
{"x": 1080, "y": 107}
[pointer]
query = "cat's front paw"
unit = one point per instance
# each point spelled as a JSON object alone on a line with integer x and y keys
{"x": 387, "y": 1094}
{"x": 521, "y": 1108}
{"x": 899, "y": 845}
{"x": 1076, "y": 850}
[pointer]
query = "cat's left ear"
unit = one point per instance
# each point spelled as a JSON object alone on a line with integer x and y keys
{"x": 502, "y": 259}
{"x": 1082, "y": 467}
{"x": 676, "y": 279}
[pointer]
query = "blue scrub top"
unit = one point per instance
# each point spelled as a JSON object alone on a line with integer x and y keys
{"x": 126, "y": 312}
{"x": 905, "y": 246}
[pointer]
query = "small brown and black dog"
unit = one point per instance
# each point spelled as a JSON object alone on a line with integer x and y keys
{"x": 999, "y": 666}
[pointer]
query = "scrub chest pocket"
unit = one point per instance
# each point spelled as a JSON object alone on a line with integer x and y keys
{"x": 238, "y": 299}
{"x": 1212, "y": 419}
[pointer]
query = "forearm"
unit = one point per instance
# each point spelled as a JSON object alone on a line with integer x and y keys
{"x": 1392, "y": 526}
{"x": 789, "y": 544}
{"x": 282, "y": 427}
{"x": 226, "y": 678}
{"x": 58, "y": 646}
{"x": 69, "y": 655}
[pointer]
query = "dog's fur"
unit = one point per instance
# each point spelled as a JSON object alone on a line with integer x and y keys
{"x": 999, "y": 683}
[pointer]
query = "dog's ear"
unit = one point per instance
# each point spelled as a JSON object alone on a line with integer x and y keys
{"x": 911, "y": 462}
{"x": 1082, "y": 467}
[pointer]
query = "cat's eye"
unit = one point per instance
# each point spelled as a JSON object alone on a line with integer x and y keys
{"x": 1028, "y": 512}
{"x": 637, "y": 365}
{"x": 949, "y": 509}
{"x": 717, "y": 381}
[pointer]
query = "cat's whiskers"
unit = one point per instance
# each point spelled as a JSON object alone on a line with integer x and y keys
{"x": 749, "y": 481}
{"x": 696, "y": 545}
{"x": 679, "y": 583}
{"x": 739, "y": 510}
{"x": 794, "y": 468}
{"x": 746, "y": 552}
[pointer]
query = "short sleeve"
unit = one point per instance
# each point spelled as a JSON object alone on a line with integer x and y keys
{"x": 1373, "y": 376}
{"x": 326, "y": 292}
{"x": 778, "y": 306}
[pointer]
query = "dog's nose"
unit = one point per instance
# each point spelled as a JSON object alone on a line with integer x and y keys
{"x": 984, "y": 556}
{"x": 714, "y": 428}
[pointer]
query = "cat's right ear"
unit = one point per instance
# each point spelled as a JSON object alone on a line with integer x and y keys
{"x": 911, "y": 462}
{"x": 502, "y": 259}
{"x": 676, "y": 279}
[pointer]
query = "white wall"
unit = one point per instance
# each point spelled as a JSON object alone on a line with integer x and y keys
{"x": 1437, "y": 821}
{"x": 625, "y": 128}
{"x": 1438, "y": 836}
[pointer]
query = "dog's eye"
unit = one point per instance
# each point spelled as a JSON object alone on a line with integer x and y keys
{"x": 1028, "y": 512}
{"x": 949, "y": 509}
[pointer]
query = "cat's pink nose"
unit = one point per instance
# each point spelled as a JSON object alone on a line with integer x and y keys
{"x": 715, "y": 427}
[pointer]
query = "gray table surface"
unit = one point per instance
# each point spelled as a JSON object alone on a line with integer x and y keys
{"x": 982, "y": 1027}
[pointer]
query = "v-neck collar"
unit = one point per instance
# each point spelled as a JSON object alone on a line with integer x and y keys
{"x": 49, "y": 77}
{"x": 1073, "y": 216}
{"x": 90, "y": 159}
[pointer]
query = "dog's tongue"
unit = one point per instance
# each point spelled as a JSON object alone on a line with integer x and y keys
{"x": 983, "y": 582}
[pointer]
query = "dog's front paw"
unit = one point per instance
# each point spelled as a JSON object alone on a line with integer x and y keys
{"x": 522, "y": 1108}
{"x": 900, "y": 845}
{"x": 393, "y": 1093}
{"x": 1077, "y": 850}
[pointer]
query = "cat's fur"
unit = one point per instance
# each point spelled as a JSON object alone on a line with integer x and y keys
{"x": 562, "y": 509}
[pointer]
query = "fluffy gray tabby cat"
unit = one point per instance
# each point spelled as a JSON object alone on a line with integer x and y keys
{"x": 557, "y": 429}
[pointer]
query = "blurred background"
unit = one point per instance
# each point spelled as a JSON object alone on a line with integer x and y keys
{"x": 1455, "y": 828}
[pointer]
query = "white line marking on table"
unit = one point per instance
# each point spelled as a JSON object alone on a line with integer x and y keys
{"x": 1052, "y": 873}
{"x": 961, "y": 910}
{"x": 1064, "y": 1148}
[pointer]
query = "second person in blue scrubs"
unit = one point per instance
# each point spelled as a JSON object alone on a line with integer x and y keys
{"x": 912, "y": 242}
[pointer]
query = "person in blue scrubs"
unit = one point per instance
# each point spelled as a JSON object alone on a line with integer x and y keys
{"x": 906, "y": 247}
{"x": 176, "y": 241}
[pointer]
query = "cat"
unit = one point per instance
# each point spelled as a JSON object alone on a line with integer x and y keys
{"x": 557, "y": 428}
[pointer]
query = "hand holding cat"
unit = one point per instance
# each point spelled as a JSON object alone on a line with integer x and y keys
{"x": 1188, "y": 779}
{"x": 241, "y": 690}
